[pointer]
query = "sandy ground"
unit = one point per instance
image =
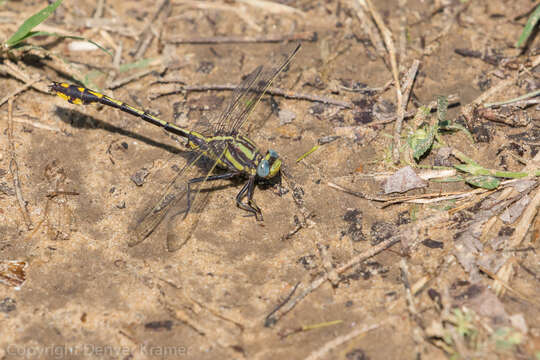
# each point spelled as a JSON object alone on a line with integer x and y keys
{"x": 88, "y": 174}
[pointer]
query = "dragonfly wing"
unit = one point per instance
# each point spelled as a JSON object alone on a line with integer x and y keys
{"x": 247, "y": 95}
{"x": 182, "y": 225}
{"x": 236, "y": 101}
{"x": 175, "y": 191}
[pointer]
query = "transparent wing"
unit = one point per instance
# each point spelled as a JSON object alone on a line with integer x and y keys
{"x": 239, "y": 97}
{"x": 247, "y": 95}
{"x": 174, "y": 193}
{"x": 173, "y": 203}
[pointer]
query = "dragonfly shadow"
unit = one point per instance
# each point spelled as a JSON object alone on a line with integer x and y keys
{"x": 80, "y": 120}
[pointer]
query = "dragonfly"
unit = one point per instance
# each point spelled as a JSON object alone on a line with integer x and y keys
{"x": 223, "y": 144}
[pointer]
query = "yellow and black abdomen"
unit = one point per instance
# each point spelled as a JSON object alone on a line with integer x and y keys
{"x": 82, "y": 96}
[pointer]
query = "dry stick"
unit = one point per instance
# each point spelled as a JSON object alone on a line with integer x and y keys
{"x": 467, "y": 110}
{"x": 146, "y": 36}
{"x": 508, "y": 287}
{"x": 452, "y": 99}
{"x": 387, "y": 37}
{"x": 14, "y": 169}
{"x": 12, "y": 69}
{"x": 421, "y": 198}
{"x": 507, "y": 270}
{"x": 302, "y": 36}
{"x": 121, "y": 82}
{"x": 117, "y": 56}
{"x": 16, "y": 92}
{"x": 272, "y": 7}
{"x": 368, "y": 26}
{"x": 323, "y": 351}
{"x": 238, "y": 10}
{"x": 401, "y": 100}
{"x": 409, "y": 231}
{"x": 270, "y": 91}
{"x": 411, "y": 75}
{"x": 99, "y": 9}
{"x": 418, "y": 335}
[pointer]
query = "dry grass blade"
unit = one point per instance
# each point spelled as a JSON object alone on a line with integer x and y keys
{"x": 402, "y": 107}
{"x": 14, "y": 169}
{"x": 522, "y": 228}
{"x": 272, "y": 7}
{"x": 326, "y": 348}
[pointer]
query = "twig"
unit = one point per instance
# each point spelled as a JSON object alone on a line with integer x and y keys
{"x": 504, "y": 284}
{"x": 12, "y": 69}
{"x": 409, "y": 232}
{"x": 387, "y": 37}
{"x": 452, "y": 100}
{"x": 269, "y": 322}
{"x": 468, "y": 110}
{"x": 389, "y": 43}
{"x": 272, "y": 7}
{"x": 411, "y": 75}
{"x": 99, "y": 9}
{"x": 14, "y": 169}
{"x": 121, "y": 82}
{"x": 302, "y": 36}
{"x": 514, "y": 100}
{"x": 369, "y": 27}
{"x": 356, "y": 193}
{"x": 271, "y": 91}
{"x": 506, "y": 271}
{"x": 117, "y": 56}
{"x": 146, "y": 36}
{"x": 240, "y": 11}
{"x": 285, "y": 333}
{"x": 18, "y": 91}
{"x": 411, "y": 306}
{"x": 323, "y": 351}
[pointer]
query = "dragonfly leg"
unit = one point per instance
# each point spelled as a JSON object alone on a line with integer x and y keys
{"x": 251, "y": 206}
{"x": 204, "y": 179}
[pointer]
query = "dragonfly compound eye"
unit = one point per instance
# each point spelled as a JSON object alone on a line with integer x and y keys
{"x": 269, "y": 165}
{"x": 263, "y": 169}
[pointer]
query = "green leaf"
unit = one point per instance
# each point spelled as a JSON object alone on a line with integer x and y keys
{"x": 31, "y": 23}
{"x": 483, "y": 181}
{"x": 442, "y": 106}
{"x": 529, "y": 26}
{"x": 472, "y": 169}
{"x": 422, "y": 140}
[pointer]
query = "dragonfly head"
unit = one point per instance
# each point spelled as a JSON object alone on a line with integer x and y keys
{"x": 269, "y": 165}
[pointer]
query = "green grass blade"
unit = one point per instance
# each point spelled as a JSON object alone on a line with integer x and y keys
{"x": 45, "y": 33}
{"x": 473, "y": 169}
{"x": 312, "y": 150}
{"x": 31, "y": 23}
{"x": 529, "y": 26}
